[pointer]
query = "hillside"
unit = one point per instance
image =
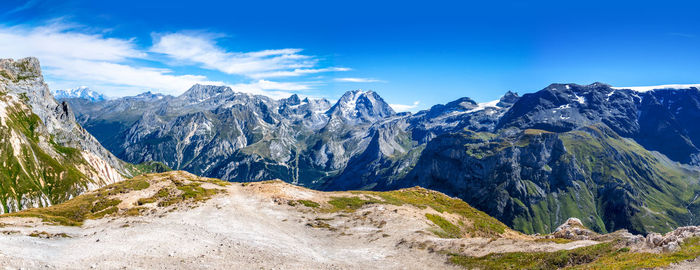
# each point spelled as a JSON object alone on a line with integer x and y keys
{"x": 47, "y": 157}
{"x": 176, "y": 219}
{"x": 534, "y": 180}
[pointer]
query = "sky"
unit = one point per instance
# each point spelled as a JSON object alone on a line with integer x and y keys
{"x": 414, "y": 54}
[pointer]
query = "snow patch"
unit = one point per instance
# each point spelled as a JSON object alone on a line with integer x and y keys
{"x": 655, "y": 87}
{"x": 565, "y": 106}
{"x": 484, "y": 105}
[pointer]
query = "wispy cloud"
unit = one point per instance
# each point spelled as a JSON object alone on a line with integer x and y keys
{"x": 685, "y": 35}
{"x": 29, "y": 4}
{"x": 357, "y": 80}
{"x": 296, "y": 72}
{"x": 76, "y": 58}
{"x": 202, "y": 49}
{"x": 404, "y": 107}
{"x": 73, "y": 55}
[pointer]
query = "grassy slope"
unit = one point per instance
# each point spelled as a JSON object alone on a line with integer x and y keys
{"x": 473, "y": 222}
{"x": 180, "y": 187}
{"x": 655, "y": 191}
{"x": 663, "y": 188}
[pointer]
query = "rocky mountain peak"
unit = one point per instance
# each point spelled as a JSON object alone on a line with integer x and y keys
{"x": 294, "y": 100}
{"x": 199, "y": 92}
{"x": 462, "y": 103}
{"x": 22, "y": 69}
{"x": 508, "y": 99}
{"x": 361, "y": 106}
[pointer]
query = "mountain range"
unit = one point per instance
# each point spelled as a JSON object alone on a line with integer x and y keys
{"x": 81, "y": 92}
{"x": 615, "y": 158}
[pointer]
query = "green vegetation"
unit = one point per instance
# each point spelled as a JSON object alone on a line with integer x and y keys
{"x": 595, "y": 169}
{"x": 6, "y": 75}
{"x": 310, "y": 204}
{"x": 610, "y": 160}
{"x": 149, "y": 167}
{"x": 192, "y": 192}
{"x": 349, "y": 203}
{"x": 88, "y": 206}
{"x": 75, "y": 211}
{"x": 554, "y": 240}
{"x": 449, "y": 230}
{"x": 30, "y": 171}
{"x": 44, "y": 234}
{"x": 532, "y": 131}
{"x": 600, "y": 256}
{"x": 161, "y": 194}
{"x": 104, "y": 201}
{"x": 478, "y": 223}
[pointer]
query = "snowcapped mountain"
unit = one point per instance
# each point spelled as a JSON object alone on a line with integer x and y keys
{"x": 81, "y": 92}
{"x": 362, "y": 106}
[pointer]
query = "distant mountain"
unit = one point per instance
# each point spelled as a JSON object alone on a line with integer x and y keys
{"x": 615, "y": 158}
{"x": 360, "y": 106}
{"x": 81, "y": 92}
{"x": 47, "y": 158}
{"x": 217, "y": 132}
{"x": 657, "y": 119}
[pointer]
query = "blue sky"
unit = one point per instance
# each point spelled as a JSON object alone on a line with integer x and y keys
{"x": 414, "y": 54}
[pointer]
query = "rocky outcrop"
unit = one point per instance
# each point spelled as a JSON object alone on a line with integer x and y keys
{"x": 573, "y": 229}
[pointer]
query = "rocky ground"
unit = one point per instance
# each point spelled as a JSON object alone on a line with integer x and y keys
{"x": 254, "y": 226}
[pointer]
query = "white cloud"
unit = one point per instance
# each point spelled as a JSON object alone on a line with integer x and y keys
{"x": 404, "y": 107}
{"x": 201, "y": 49}
{"x": 654, "y": 87}
{"x": 296, "y": 72}
{"x": 357, "y": 80}
{"x": 73, "y": 58}
{"x": 58, "y": 42}
{"x": 113, "y": 74}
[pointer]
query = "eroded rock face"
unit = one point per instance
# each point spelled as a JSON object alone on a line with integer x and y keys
{"x": 46, "y": 156}
{"x": 671, "y": 241}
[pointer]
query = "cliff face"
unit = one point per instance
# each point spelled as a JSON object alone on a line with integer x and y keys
{"x": 46, "y": 156}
